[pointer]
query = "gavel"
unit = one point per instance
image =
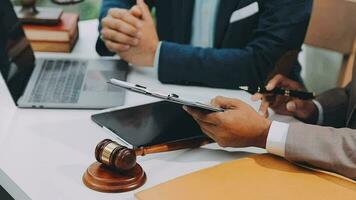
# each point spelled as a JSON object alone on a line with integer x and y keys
{"x": 123, "y": 159}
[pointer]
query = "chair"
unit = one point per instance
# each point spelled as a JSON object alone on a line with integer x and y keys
{"x": 333, "y": 27}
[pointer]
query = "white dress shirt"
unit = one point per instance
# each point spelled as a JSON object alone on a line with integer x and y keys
{"x": 203, "y": 26}
{"x": 278, "y": 132}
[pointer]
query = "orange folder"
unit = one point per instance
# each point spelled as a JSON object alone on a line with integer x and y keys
{"x": 257, "y": 177}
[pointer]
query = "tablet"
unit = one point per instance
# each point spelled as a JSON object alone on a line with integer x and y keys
{"x": 150, "y": 124}
{"x": 171, "y": 97}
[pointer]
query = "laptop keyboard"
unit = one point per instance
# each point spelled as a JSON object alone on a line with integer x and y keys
{"x": 60, "y": 81}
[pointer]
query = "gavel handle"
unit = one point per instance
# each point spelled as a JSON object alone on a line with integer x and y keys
{"x": 173, "y": 146}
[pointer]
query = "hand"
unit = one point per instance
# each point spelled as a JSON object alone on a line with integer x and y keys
{"x": 144, "y": 52}
{"x": 239, "y": 126}
{"x": 121, "y": 29}
{"x": 303, "y": 110}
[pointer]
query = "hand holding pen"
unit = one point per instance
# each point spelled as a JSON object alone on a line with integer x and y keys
{"x": 304, "y": 110}
{"x": 279, "y": 91}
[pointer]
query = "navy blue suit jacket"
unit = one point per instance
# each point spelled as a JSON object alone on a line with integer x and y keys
{"x": 245, "y": 52}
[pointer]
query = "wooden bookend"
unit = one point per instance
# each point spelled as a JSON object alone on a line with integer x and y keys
{"x": 102, "y": 178}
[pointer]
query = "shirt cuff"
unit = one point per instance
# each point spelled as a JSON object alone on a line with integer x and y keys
{"x": 276, "y": 139}
{"x": 156, "y": 60}
{"x": 320, "y": 111}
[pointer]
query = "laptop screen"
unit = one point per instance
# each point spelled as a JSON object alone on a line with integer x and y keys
{"x": 17, "y": 59}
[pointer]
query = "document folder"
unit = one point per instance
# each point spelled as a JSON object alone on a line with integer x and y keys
{"x": 257, "y": 177}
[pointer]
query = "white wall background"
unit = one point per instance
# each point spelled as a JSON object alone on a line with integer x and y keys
{"x": 320, "y": 68}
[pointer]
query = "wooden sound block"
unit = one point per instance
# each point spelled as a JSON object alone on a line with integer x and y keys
{"x": 104, "y": 179}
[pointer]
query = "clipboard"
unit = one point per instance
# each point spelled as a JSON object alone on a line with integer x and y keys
{"x": 170, "y": 97}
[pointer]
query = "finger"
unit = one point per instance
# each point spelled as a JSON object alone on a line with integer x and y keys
{"x": 209, "y": 133}
{"x": 116, "y": 47}
{"x": 200, "y": 122}
{"x": 296, "y": 106}
{"x": 291, "y": 106}
{"x": 114, "y": 36}
{"x": 119, "y": 25}
{"x": 205, "y": 127}
{"x": 278, "y": 101}
{"x": 214, "y": 133}
{"x": 210, "y": 130}
{"x": 266, "y": 102}
{"x": 224, "y": 102}
{"x": 274, "y": 82}
{"x": 263, "y": 111}
{"x": 201, "y": 116}
{"x": 211, "y": 123}
{"x": 126, "y": 16}
{"x": 257, "y": 97}
{"x": 197, "y": 115}
{"x": 136, "y": 11}
{"x": 146, "y": 14}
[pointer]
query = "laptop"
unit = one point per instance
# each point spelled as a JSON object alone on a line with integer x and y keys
{"x": 54, "y": 82}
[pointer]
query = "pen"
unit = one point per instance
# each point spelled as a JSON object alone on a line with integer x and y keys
{"x": 279, "y": 91}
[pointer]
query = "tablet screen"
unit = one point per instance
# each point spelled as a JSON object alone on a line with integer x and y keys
{"x": 150, "y": 124}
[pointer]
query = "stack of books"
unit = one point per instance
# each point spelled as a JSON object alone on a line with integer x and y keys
{"x": 58, "y": 38}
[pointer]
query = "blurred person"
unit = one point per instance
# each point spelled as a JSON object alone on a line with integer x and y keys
{"x": 215, "y": 43}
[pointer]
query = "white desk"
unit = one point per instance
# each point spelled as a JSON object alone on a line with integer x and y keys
{"x": 43, "y": 153}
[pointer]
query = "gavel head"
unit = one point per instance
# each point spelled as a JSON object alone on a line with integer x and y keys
{"x": 115, "y": 155}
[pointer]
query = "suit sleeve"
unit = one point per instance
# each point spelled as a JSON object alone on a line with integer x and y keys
{"x": 327, "y": 148}
{"x": 334, "y": 103}
{"x": 105, "y": 7}
{"x": 281, "y": 27}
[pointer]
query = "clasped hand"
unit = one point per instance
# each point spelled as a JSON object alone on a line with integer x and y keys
{"x": 241, "y": 126}
{"x": 131, "y": 34}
